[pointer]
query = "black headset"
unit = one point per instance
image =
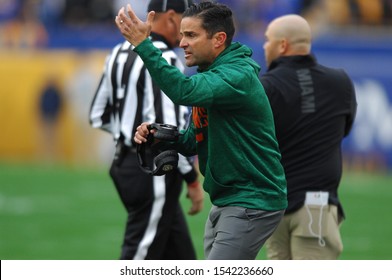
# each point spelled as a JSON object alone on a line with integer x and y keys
{"x": 164, "y": 160}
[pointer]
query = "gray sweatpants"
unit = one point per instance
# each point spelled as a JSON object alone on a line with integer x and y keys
{"x": 237, "y": 233}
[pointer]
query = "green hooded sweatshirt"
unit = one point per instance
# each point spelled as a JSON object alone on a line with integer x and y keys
{"x": 232, "y": 131}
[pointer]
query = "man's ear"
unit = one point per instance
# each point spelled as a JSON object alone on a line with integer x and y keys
{"x": 171, "y": 14}
{"x": 283, "y": 46}
{"x": 220, "y": 39}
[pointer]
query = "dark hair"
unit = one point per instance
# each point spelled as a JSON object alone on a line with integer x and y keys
{"x": 162, "y": 6}
{"x": 215, "y": 18}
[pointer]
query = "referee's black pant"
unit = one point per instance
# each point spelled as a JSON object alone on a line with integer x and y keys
{"x": 156, "y": 227}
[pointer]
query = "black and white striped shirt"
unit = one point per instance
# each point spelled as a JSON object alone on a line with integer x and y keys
{"x": 126, "y": 96}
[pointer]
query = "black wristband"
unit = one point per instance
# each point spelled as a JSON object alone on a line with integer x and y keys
{"x": 191, "y": 176}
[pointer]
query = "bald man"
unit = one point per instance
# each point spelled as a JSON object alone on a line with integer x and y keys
{"x": 314, "y": 109}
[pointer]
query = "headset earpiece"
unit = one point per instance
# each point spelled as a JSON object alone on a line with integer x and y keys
{"x": 164, "y": 161}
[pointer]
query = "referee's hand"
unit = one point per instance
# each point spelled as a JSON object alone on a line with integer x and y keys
{"x": 196, "y": 195}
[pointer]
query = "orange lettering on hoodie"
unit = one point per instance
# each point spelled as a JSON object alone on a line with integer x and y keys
{"x": 200, "y": 119}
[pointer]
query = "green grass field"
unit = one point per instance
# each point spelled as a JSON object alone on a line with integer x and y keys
{"x": 64, "y": 213}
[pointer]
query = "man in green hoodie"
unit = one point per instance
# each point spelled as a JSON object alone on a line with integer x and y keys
{"x": 232, "y": 129}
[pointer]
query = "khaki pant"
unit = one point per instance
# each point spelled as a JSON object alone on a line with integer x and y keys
{"x": 311, "y": 233}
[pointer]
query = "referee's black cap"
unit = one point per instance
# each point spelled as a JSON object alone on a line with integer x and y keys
{"x": 161, "y": 6}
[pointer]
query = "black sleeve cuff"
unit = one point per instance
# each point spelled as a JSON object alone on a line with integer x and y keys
{"x": 191, "y": 176}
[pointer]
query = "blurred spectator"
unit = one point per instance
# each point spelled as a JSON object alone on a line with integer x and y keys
{"x": 253, "y": 17}
{"x": 140, "y": 7}
{"x": 50, "y": 102}
{"x": 19, "y": 28}
{"x": 50, "y": 105}
{"x": 371, "y": 12}
{"x": 339, "y": 13}
{"x": 311, "y": 10}
{"x": 8, "y": 9}
{"x": 387, "y": 8}
{"x": 306, "y": 5}
{"x": 50, "y": 11}
{"x": 348, "y": 12}
{"x": 88, "y": 11}
{"x": 25, "y": 30}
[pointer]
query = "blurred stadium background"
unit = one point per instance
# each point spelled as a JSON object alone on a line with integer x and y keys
{"x": 56, "y": 197}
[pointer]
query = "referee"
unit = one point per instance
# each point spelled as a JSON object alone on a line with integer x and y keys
{"x": 126, "y": 96}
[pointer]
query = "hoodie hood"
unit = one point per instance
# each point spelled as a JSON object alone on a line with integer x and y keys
{"x": 233, "y": 53}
